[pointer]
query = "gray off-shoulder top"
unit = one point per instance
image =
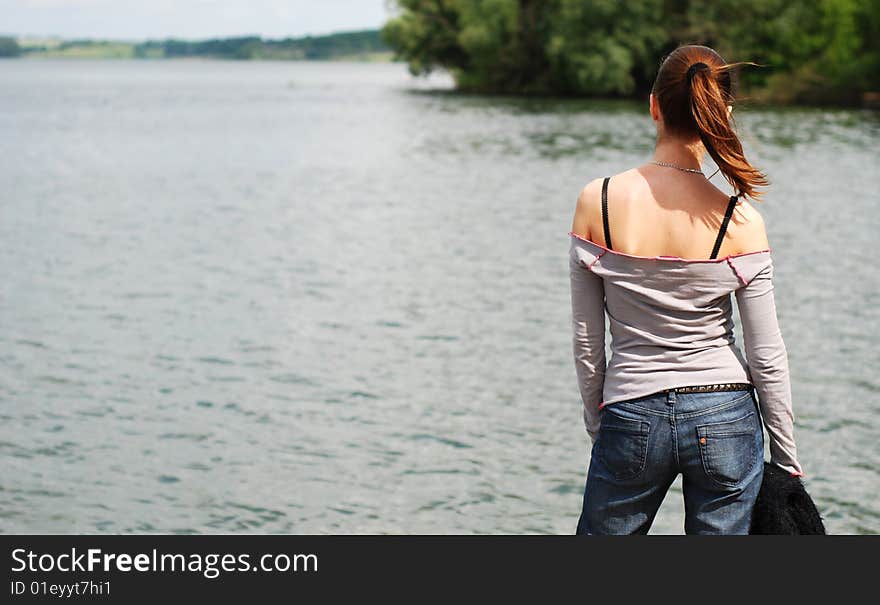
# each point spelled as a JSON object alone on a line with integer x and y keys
{"x": 671, "y": 325}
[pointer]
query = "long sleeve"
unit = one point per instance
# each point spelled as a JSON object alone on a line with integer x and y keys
{"x": 768, "y": 366}
{"x": 588, "y": 325}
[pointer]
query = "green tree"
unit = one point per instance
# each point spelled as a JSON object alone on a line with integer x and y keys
{"x": 607, "y": 47}
{"x": 823, "y": 51}
{"x": 532, "y": 46}
{"x": 488, "y": 45}
{"x": 426, "y": 35}
{"x": 812, "y": 52}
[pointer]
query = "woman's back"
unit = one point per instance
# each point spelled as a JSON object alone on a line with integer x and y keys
{"x": 652, "y": 212}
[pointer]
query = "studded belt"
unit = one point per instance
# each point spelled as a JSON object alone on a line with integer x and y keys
{"x": 710, "y": 388}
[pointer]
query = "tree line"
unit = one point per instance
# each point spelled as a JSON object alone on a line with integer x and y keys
{"x": 254, "y": 47}
{"x": 332, "y": 46}
{"x": 822, "y": 51}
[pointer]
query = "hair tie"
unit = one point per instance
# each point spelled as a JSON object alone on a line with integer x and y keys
{"x": 693, "y": 69}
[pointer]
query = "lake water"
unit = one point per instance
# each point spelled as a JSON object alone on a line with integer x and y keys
{"x": 331, "y": 298}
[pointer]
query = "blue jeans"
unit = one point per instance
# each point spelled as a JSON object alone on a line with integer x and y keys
{"x": 714, "y": 439}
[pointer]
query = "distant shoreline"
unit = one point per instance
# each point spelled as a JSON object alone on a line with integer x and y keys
{"x": 384, "y": 57}
{"x": 363, "y": 46}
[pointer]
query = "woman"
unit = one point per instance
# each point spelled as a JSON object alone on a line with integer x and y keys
{"x": 677, "y": 395}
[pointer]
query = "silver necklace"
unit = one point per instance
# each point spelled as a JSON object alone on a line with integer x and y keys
{"x": 694, "y": 170}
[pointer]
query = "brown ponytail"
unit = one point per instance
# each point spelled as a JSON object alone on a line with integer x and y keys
{"x": 693, "y": 89}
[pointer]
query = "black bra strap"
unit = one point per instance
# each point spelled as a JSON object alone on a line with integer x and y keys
{"x": 724, "y": 223}
{"x": 605, "y": 212}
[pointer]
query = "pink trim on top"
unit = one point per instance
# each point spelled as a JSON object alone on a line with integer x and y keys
{"x": 738, "y": 274}
{"x": 668, "y": 258}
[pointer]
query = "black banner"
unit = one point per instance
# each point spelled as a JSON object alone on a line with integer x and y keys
{"x": 247, "y": 568}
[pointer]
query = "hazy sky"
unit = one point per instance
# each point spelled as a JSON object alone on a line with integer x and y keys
{"x": 138, "y": 19}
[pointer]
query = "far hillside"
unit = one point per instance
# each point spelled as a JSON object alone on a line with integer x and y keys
{"x": 366, "y": 45}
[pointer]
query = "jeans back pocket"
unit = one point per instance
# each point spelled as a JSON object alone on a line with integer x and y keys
{"x": 729, "y": 450}
{"x": 623, "y": 446}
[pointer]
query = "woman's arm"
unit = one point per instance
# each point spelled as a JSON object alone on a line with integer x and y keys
{"x": 768, "y": 366}
{"x": 588, "y": 320}
{"x": 588, "y": 342}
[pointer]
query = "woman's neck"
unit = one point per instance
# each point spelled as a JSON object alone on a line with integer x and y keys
{"x": 684, "y": 155}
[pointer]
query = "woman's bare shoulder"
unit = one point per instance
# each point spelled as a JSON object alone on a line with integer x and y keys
{"x": 590, "y": 197}
{"x": 750, "y": 231}
{"x": 588, "y": 206}
{"x": 588, "y": 216}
